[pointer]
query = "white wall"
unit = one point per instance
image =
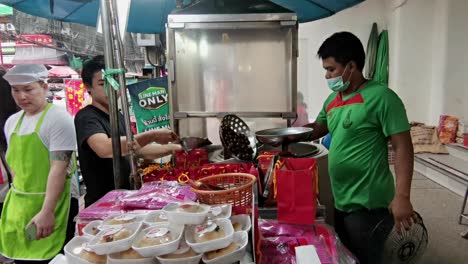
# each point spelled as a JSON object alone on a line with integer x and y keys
{"x": 428, "y": 53}
{"x": 358, "y": 20}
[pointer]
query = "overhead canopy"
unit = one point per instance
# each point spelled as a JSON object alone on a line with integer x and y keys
{"x": 150, "y": 16}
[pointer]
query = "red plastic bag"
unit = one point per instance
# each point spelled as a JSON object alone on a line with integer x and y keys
{"x": 193, "y": 159}
{"x": 296, "y": 187}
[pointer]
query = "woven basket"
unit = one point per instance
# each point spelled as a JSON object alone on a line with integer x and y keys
{"x": 238, "y": 189}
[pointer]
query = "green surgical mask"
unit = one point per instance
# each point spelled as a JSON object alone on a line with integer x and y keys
{"x": 337, "y": 84}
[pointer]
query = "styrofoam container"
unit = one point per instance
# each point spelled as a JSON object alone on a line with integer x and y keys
{"x": 184, "y": 218}
{"x": 112, "y": 259}
{"x": 240, "y": 238}
{"x": 115, "y": 246}
{"x": 134, "y": 218}
{"x": 70, "y": 247}
{"x": 243, "y": 220}
{"x": 59, "y": 259}
{"x": 192, "y": 260}
{"x": 158, "y": 250}
{"x": 213, "y": 244}
{"x": 88, "y": 229}
{"x": 183, "y": 247}
{"x": 151, "y": 218}
{"x": 220, "y": 211}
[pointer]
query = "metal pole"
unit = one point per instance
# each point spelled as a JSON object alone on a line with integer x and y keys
{"x": 112, "y": 94}
{"x": 123, "y": 94}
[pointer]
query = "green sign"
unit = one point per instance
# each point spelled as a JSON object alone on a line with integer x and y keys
{"x": 6, "y": 10}
{"x": 150, "y": 103}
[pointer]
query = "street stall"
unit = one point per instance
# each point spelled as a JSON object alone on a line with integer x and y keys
{"x": 234, "y": 193}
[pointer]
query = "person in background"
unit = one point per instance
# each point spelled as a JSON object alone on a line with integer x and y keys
{"x": 361, "y": 116}
{"x": 41, "y": 141}
{"x": 302, "y": 116}
{"x": 7, "y": 108}
{"x": 93, "y": 131}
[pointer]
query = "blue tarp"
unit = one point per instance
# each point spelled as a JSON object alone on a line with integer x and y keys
{"x": 150, "y": 16}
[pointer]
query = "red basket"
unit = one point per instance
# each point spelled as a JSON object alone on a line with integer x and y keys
{"x": 238, "y": 189}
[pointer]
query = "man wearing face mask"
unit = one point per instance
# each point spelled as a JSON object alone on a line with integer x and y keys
{"x": 362, "y": 115}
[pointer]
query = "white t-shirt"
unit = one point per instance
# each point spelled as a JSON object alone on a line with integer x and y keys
{"x": 57, "y": 132}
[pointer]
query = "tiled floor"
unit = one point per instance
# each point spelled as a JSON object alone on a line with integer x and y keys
{"x": 439, "y": 208}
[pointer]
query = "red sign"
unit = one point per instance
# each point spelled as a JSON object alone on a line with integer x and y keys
{"x": 41, "y": 38}
{"x": 76, "y": 94}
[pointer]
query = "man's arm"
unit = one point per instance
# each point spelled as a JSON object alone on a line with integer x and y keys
{"x": 401, "y": 207}
{"x": 151, "y": 152}
{"x": 320, "y": 130}
{"x": 101, "y": 144}
{"x": 45, "y": 219}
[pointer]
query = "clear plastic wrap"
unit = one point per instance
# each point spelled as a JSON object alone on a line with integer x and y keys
{"x": 156, "y": 195}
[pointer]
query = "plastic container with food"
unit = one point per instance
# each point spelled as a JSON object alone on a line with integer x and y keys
{"x": 116, "y": 239}
{"x": 156, "y": 217}
{"x": 241, "y": 222}
{"x": 186, "y": 213}
{"x": 91, "y": 229}
{"x": 78, "y": 252}
{"x": 121, "y": 219}
{"x": 234, "y": 252}
{"x": 183, "y": 255}
{"x": 129, "y": 256}
{"x": 220, "y": 211}
{"x": 211, "y": 235}
{"x": 158, "y": 240}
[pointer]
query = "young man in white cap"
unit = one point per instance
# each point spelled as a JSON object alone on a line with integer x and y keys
{"x": 41, "y": 141}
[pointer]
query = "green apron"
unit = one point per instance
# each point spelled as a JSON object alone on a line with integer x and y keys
{"x": 29, "y": 161}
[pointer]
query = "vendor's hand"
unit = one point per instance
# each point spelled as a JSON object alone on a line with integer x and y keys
{"x": 164, "y": 136}
{"x": 171, "y": 148}
{"x": 402, "y": 212}
{"x": 45, "y": 223}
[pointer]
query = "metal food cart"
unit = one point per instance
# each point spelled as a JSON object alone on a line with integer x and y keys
{"x": 239, "y": 57}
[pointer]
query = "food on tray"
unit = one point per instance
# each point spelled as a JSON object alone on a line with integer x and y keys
{"x": 128, "y": 254}
{"x": 184, "y": 251}
{"x": 190, "y": 208}
{"x": 221, "y": 252}
{"x": 208, "y": 232}
{"x": 88, "y": 255}
{"x": 160, "y": 218}
{"x": 237, "y": 227}
{"x": 94, "y": 230}
{"x": 156, "y": 236}
{"x": 121, "y": 219}
{"x": 115, "y": 234}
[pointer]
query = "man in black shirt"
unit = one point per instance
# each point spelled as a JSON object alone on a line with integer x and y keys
{"x": 93, "y": 133}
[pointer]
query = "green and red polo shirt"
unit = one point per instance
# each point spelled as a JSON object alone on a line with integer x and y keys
{"x": 360, "y": 125}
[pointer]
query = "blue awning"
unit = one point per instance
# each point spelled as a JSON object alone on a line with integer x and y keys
{"x": 150, "y": 16}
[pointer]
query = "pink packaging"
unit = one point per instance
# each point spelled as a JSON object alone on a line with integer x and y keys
{"x": 156, "y": 195}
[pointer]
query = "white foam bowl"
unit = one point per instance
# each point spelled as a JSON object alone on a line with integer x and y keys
{"x": 162, "y": 249}
{"x": 243, "y": 220}
{"x": 150, "y": 218}
{"x": 88, "y": 229}
{"x": 213, "y": 244}
{"x": 240, "y": 238}
{"x": 183, "y": 218}
{"x": 224, "y": 211}
{"x": 72, "y": 257}
{"x": 192, "y": 260}
{"x": 138, "y": 218}
{"x": 111, "y": 259}
{"x": 115, "y": 246}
